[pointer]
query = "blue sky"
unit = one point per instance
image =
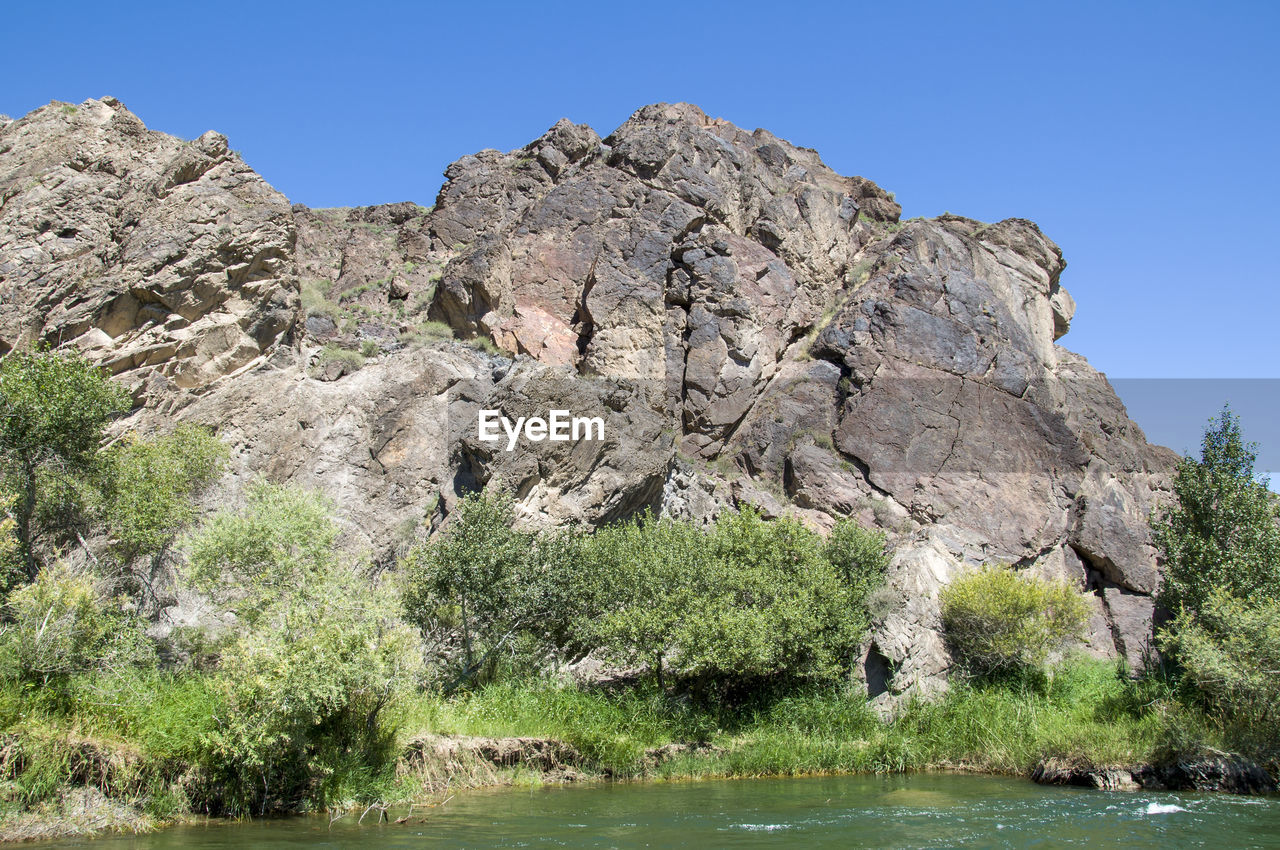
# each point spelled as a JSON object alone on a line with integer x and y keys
{"x": 1142, "y": 137}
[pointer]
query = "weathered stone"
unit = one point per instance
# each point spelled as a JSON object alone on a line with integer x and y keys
{"x": 151, "y": 254}
{"x": 1215, "y": 772}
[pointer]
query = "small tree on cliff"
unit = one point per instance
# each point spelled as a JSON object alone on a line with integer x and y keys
{"x": 53, "y": 408}
{"x": 1221, "y": 533}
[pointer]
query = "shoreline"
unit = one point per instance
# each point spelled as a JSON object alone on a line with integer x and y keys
{"x": 468, "y": 764}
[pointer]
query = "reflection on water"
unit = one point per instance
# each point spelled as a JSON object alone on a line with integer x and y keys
{"x": 863, "y": 811}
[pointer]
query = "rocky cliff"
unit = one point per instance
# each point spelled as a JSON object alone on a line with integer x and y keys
{"x": 752, "y": 327}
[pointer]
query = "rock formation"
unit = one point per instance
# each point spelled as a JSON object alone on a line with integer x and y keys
{"x": 168, "y": 261}
{"x": 753, "y": 327}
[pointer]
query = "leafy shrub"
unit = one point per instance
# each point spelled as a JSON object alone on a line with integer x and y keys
{"x": 304, "y": 689}
{"x": 746, "y": 601}
{"x": 322, "y": 654}
{"x": 53, "y": 409}
{"x": 148, "y": 485}
{"x": 1222, "y": 532}
{"x": 998, "y": 621}
{"x": 9, "y": 563}
{"x": 60, "y": 625}
{"x": 282, "y": 537}
{"x": 1229, "y": 652}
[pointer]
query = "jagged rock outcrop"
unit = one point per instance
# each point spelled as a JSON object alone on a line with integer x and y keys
{"x": 171, "y": 262}
{"x": 906, "y": 372}
{"x": 752, "y": 327}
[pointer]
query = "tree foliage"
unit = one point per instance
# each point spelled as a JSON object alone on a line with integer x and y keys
{"x": 1229, "y": 652}
{"x": 999, "y": 621}
{"x": 492, "y": 587}
{"x": 1221, "y": 579}
{"x": 53, "y": 409}
{"x": 748, "y": 600}
{"x": 1221, "y": 533}
{"x": 743, "y": 601}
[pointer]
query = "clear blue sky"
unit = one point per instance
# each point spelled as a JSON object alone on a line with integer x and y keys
{"x": 1143, "y": 137}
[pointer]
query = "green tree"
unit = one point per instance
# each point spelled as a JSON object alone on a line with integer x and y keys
{"x": 1221, "y": 531}
{"x": 648, "y": 564}
{"x": 504, "y": 597}
{"x": 53, "y": 409}
{"x": 475, "y": 566}
{"x": 749, "y": 601}
{"x": 998, "y": 621}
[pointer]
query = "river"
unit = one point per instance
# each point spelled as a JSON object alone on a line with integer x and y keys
{"x": 923, "y": 810}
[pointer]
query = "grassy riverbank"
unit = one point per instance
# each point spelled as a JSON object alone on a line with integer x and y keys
{"x": 1085, "y": 711}
{"x": 141, "y": 749}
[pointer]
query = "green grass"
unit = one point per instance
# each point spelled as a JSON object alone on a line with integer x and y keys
{"x": 354, "y": 360}
{"x": 1086, "y": 712}
{"x": 144, "y": 739}
{"x": 426, "y": 333}
{"x": 315, "y": 301}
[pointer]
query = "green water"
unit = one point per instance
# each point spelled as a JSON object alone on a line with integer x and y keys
{"x": 856, "y": 811}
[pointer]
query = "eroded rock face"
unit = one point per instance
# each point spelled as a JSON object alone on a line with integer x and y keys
{"x": 792, "y": 328}
{"x": 394, "y": 444}
{"x": 752, "y": 327}
{"x": 171, "y": 262}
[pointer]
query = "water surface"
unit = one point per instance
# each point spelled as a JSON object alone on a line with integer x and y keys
{"x": 927, "y": 810}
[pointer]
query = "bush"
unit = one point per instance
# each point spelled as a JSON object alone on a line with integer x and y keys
{"x": 1229, "y": 652}
{"x": 60, "y": 625}
{"x": 283, "y": 537}
{"x": 426, "y": 333}
{"x": 148, "y": 485}
{"x": 53, "y": 409}
{"x": 315, "y": 302}
{"x": 998, "y": 621}
{"x": 323, "y": 653}
{"x": 9, "y": 563}
{"x": 304, "y": 691}
{"x": 1222, "y": 532}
